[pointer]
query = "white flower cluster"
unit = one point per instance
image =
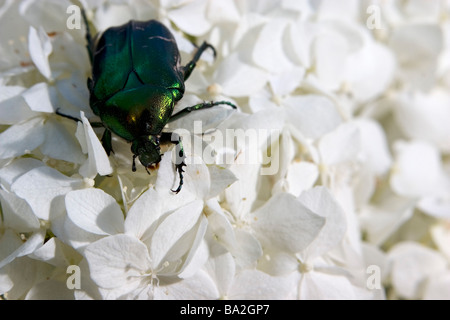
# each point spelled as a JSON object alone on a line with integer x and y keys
{"x": 345, "y": 193}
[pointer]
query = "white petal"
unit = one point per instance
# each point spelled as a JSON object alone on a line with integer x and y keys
{"x": 50, "y": 290}
{"x": 61, "y": 144}
{"x": 13, "y": 108}
{"x": 301, "y": 176}
{"x": 219, "y": 224}
{"x": 222, "y": 11}
{"x": 75, "y": 91}
{"x": 262, "y": 99}
{"x": 40, "y": 48}
{"x": 374, "y": 146}
{"x": 95, "y": 211}
{"x": 16, "y": 213}
{"x": 320, "y": 201}
{"x": 347, "y": 10}
{"x": 381, "y": 221}
{"x": 257, "y": 285}
{"x": 190, "y": 17}
{"x": 341, "y": 145}
{"x": 116, "y": 261}
{"x": 417, "y": 47}
{"x": 41, "y": 97}
{"x": 417, "y": 169}
{"x": 322, "y": 286}
{"x": 98, "y": 161}
{"x": 198, "y": 287}
{"x": 438, "y": 287}
{"x": 247, "y": 250}
{"x": 56, "y": 253}
{"x": 42, "y": 188}
{"x": 221, "y": 268}
{"x": 286, "y": 82}
{"x": 21, "y": 138}
{"x": 278, "y": 263}
{"x": 16, "y": 271}
{"x": 329, "y": 68}
{"x": 6, "y": 283}
{"x": 17, "y": 168}
{"x": 9, "y": 242}
{"x": 285, "y": 223}
{"x": 441, "y": 237}
{"x": 424, "y": 116}
{"x": 437, "y": 205}
{"x": 271, "y": 36}
{"x": 144, "y": 213}
{"x": 112, "y": 15}
{"x": 242, "y": 194}
{"x": 361, "y": 73}
{"x": 166, "y": 239}
{"x": 20, "y": 249}
{"x": 412, "y": 263}
{"x": 221, "y": 178}
{"x": 239, "y": 79}
{"x": 78, "y": 238}
{"x": 198, "y": 255}
{"x": 313, "y": 115}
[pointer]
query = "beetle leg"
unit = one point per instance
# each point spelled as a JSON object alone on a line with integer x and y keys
{"x": 133, "y": 166}
{"x": 200, "y": 106}
{"x": 106, "y": 142}
{"x": 191, "y": 65}
{"x": 66, "y": 116}
{"x": 176, "y": 139}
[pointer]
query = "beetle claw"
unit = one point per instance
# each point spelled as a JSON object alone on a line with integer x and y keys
{"x": 133, "y": 166}
{"x": 180, "y": 174}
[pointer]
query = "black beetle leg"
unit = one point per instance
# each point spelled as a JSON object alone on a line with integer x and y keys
{"x": 191, "y": 65}
{"x": 176, "y": 139}
{"x": 66, "y": 116}
{"x": 200, "y": 106}
{"x": 133, "y": 166}
{"x": 106, "y": 142}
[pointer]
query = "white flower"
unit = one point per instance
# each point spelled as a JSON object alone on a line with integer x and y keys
{"x": 232, "y": 284}
{"x": 131, "y": 267}
{"x": 423, "y": 116}
{"x": 441, "y": 237}
{"x": 55, "y": 256}
{"x": 438, "y": 287}
{"x": 418, "y": 170}
{"x": 412, "y": 265}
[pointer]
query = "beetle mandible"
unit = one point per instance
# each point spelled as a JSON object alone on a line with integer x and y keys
{"x": 137, "y": 78}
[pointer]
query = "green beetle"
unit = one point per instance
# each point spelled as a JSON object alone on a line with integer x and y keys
{"x": 137, "y": 78}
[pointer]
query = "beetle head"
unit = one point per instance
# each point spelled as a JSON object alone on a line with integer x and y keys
{"x": 147, "y": 149}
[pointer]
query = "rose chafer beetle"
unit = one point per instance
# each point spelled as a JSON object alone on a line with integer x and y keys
{"x": 137, "y": 78}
